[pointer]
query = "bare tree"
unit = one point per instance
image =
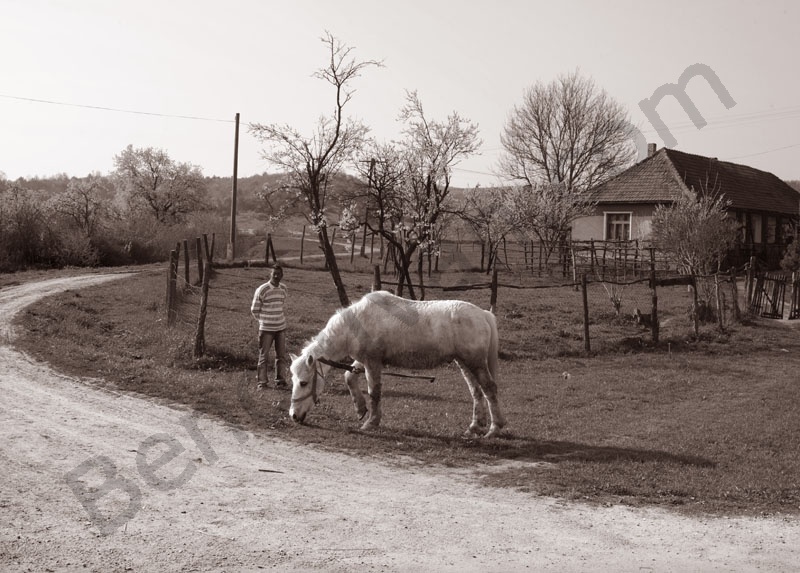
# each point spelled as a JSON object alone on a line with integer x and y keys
{"x": 85, "y": 204}
{"x": 489, "y": 213}
{"x": 410, "y": 181}
{"x": 568, "y": 131}
{"x": 311, "y": 162}
{"x": 152, "y": 181}
{"x": 547, "y": 211}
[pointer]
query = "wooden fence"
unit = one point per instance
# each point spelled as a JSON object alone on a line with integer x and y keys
{"x": 204, "y": 258}
{"x": 763, "y": 294}
{"x": 604, "y": 260}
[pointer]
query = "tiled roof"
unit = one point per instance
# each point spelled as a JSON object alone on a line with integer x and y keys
{"x": 664, "y": 176}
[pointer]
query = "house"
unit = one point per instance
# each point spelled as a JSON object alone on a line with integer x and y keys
{"x": 760, "y": 201}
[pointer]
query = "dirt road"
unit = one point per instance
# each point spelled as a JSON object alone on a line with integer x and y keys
{"x": 92, "y": 480}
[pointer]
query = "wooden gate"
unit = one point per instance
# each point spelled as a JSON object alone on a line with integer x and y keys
{"x": 769, "y": 296}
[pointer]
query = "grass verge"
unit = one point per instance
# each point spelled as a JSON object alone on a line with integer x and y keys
{"x": 705, "y": 426}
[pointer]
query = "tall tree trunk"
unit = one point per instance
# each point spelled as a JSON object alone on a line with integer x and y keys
{"x": 405, "y": 274}
{"x": 333, "y": 267}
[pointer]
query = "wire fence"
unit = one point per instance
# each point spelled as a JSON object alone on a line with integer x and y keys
{"x": 591, "y": 307}
{"x": 359, "y": 250}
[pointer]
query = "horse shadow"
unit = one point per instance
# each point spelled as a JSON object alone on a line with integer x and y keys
{"x": 342, "y": 390}
{"x": 509, "y": 447}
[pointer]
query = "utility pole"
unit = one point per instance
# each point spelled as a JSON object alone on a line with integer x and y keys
{"x": 232, "y": 243}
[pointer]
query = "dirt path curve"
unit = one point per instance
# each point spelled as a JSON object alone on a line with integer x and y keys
{"x": 92, "y": 480}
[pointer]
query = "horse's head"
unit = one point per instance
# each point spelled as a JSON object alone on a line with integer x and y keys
{"x": 308, "y": 380}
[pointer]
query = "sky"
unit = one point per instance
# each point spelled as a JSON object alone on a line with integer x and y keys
{"x": 81, "y": 80}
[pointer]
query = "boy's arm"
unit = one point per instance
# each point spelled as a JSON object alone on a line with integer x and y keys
{"x": 255, "y": 306}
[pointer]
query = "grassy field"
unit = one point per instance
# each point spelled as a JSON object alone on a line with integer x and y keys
{"x": 709, "y": 425}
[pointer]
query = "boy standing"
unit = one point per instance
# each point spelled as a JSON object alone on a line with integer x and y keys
{"x": 268, "y": 308}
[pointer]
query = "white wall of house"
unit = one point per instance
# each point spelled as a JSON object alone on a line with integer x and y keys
{"x": 596, "y": 226}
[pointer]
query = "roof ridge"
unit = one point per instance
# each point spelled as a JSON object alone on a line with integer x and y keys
{"x": 671, "y": 167}
{"x": 722, "y": 161}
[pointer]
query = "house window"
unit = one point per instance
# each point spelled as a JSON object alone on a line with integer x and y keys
{"x": 618, "y": 226}
{"x": 772, "y": 230}
{"x": 757, "y": 236}
{"x": 741, "y": 218}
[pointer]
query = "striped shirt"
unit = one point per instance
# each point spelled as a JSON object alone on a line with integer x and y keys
{"x": 267, "y": 307}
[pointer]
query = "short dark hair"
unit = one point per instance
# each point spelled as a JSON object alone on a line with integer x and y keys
{"x": 277, "y": 267}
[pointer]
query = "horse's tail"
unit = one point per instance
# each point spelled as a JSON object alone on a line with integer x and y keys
{"x": 494, "y": 345}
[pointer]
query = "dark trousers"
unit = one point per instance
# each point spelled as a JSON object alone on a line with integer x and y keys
{"x": 265, "y": 342}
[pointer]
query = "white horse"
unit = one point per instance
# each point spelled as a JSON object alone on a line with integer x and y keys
{"x": 385, "y": 330}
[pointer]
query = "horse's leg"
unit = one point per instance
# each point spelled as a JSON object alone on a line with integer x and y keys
{"x": 478, "y": 411}
{"x": 489, "y": 389}
{"x": 351, "y": 379}
{"x": 373, "y": 375}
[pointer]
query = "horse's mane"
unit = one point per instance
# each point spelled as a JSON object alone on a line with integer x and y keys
{"x": 331, "y": 332}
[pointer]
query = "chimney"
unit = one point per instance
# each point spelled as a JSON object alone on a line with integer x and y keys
{"x": 651, "y": 149}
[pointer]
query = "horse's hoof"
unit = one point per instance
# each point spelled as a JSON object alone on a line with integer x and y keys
{"x": 369, "y": 425}
{"x": 473, "y": 432}
{"x": 362, "y": 413}
{"x": 493, "y": 431}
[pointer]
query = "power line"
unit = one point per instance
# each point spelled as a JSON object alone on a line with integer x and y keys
{"x": 118, "y": 110}
{"x": 716, "y": 122}
{"x": 765, "y": 152}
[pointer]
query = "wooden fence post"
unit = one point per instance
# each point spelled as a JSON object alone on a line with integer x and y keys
{"x": 364, "y": 241}
{"x": 695, "y": 309}
{"x": 493, "y": 298}
{"x": 574, "y": 265}
{"x": 376, "y": 278}
{"x": 654, "y": 310}
{"x": 269, "y": 249}
{"x": 198, "y": 252}
{"x": 720, "y": 309}
{"x": 371, "y": 247}
{"x": 168, "y": 290}
{"x": 302, "y": 243}
{"x": 172, "y": 295}
{"x": 483, "y": 254}
{"x": 420, "y": 264}
{"x": 200, "y": 333}
{"x": 751, "y": 276}
{"x": 209, "y": 251}
{"x": 525, "y": 253}
{"x": 735, "y": 296}
{"x": 352, "y": 248}
{"x": 186, "y": 262}
{"x": 587, "y": 345}
{"x": 541, "y": 254}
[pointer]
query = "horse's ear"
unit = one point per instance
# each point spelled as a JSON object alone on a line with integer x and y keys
{"x": 292, "y": 357}
{"x": 310, "y": 360}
